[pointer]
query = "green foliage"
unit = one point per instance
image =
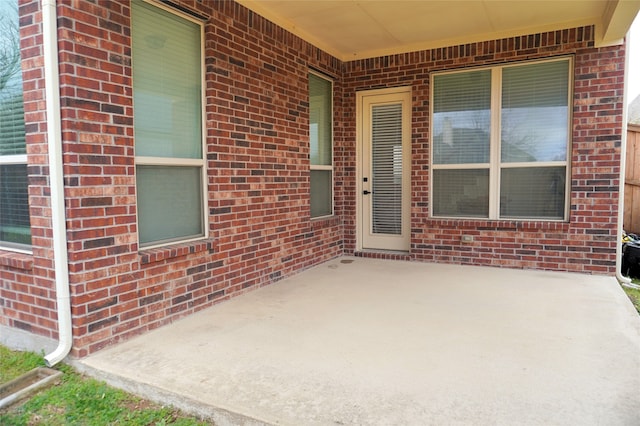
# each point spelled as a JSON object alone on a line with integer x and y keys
{"x": 14, "y": 364}
{"x": 78, "y": 400}
{"x": 634, "y": 295}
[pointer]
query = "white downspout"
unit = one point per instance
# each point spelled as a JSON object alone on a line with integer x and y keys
{"x": 56, "y": 180}
{"x": 624, "y": 281}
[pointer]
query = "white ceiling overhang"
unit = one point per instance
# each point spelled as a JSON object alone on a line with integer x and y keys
{"x": 356, "y": 29}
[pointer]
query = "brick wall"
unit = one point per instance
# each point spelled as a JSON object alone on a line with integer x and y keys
{"x": 258, "y": 177}
{"x": 258, "y": 170}
{"x": 257, "y": 167}
{"x": 587, "y": 243}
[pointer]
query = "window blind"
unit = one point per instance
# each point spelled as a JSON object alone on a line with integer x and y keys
{"x": 386, "y": 157}
{"x": 532, "y": 192}
{"x": 527, "y": 176}
{"x": 534, "y": 112}
{"x": 534, "y": 129}
{"x": 462, "y": 118}
{"x": 461, "y": 193}
{"x": 321, "y": 185}
{"x": 320, "y": 120}
{"x": 167, "y": 84}
{"x": 169, "y": 203}
{"x": 12, "y": 133}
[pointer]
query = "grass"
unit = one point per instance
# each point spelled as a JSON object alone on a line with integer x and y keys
{"x": 634, "y": 295}
{"x": 78, "y": 400}
{"x": 14, "y": 364}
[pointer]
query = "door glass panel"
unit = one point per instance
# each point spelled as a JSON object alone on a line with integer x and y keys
{"x": 386, "y": 157}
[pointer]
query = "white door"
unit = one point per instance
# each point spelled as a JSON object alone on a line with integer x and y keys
{"x": 384, "y": 159}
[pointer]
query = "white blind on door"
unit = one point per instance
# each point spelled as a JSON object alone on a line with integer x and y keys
{"x": 386, "y": 157}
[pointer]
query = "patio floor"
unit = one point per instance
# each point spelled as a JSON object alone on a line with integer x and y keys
{"x": 373, "y": 342}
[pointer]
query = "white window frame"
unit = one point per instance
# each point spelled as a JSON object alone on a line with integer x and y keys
{"x": 495, "y": 165}
{"x": 324, "y": 167}
{"x": 8, "y": 160}
{"x": 189, "y": 162}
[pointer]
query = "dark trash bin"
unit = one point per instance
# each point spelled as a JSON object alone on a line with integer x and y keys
{"x": 631, "y": 259}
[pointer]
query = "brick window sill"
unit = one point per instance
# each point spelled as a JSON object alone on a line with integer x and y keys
{"x": 16, "y": 260}
{"x": 325, "y": 221}
{"x": 499, "y": 225}
{"x": 159, "y": 254}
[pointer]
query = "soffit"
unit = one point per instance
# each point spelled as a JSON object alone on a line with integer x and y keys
{"x": 356, "y": 29}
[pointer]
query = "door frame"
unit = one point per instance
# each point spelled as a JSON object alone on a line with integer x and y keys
{"x": 402, "y": 91}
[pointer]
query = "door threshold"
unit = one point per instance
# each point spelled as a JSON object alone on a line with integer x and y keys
{"x": 383, "y": 254}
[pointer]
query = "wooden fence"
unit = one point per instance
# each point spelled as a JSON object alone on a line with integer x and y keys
{"x": 632, "y": 181}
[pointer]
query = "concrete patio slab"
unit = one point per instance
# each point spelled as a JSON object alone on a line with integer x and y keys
{"x": 373, "y": 342}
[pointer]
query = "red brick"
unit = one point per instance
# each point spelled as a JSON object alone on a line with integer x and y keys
{"x": 258, "y": 170}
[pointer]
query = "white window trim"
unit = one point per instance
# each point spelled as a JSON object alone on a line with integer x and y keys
{"x": 6, "y": 160}
{"x": 177, "y": 162}
{"x": 325, "y": 167}
{"x": 167, "y": 161}
{"x": 496, "y": 165}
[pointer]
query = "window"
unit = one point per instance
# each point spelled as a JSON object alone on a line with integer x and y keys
{"x": 320, "y": 136}
{"x": 500, "y": 142}
{"x": 168, "y": 125}
{"x": 15, "y": 228}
